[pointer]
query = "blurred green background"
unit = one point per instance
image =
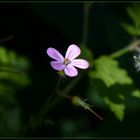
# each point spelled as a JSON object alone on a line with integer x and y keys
{"x": 27, "y": 80}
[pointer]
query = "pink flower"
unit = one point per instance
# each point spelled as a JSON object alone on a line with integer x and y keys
{"x": 68, "y": 63}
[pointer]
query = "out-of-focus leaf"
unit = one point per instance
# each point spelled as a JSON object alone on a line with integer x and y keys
{"x": 107, "y": 69}
{"x": 131, "y": 29}
{"x": 13, "y": 77}
{"x": 116, "y": 94}
{"x": 48, "y": 122}
{"x": 5, "y": 90}
{"x": 132, "y": 12}
{"x": 136, "y": 93}
{"x": 10, "y": 122}
{"x": 70, "y": 127}
{"x": 13, "y": 70}
{"x": 18, "y": 61}
{"x": 11, "y": 59}
{"x": 3, "y": 56}
{"x": 12, "y": 116}
{"x": 118, "y": 109}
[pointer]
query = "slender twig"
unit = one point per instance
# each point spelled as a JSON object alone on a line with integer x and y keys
{"x": 64, "y": 92}
{"x": 40, "y": 115}
{"x": 95, "y": 113}
{"x": 86, "y": 10}
{"x": 133, "y": 46}
{"x": 47, "y": 107}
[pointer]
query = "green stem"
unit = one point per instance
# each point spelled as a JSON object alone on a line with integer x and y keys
{"x": 53, "y": 94}
{"x": 133, "y": 46}
{"x": 39, "y": 117}
{"x": 47, "y": 107}
{"x": 94, "y": 113}
{"x": 120, "y": 53}
{"x": 49, "y": 104}
{"x": 87, "y": 7}
{"x": 64, "y": 93}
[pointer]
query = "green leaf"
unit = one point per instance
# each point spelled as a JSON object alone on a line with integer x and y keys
{"x": 13, "y": 77}
{"x": 117, "y": 94}
{"x": 117, "y": 109}
{"x": 13, "y": 70}
{"x": 107, "y": 69}
{"x": 133, "y": 15}
{"x": 136, "y": 93}
{"x": 131, "y": 29}
{"x": 3, "y": 55}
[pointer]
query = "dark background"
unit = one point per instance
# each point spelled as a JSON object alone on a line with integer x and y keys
{"x": 37, "y": 26}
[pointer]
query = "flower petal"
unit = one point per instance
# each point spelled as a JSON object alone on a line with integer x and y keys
{"x": 72, "y": 52}
{"x": 70, "y": 71}
{"x": 57, "y": 65}
{"x": 80, "y": 63}
{"x": 53, "y": 53}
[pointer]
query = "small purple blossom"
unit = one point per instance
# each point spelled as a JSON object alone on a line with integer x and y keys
{"x": 68, "y": 63}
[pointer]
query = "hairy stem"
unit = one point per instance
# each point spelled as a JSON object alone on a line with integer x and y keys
{"x": 63, "y": 93}
{"x": 95, "y": 113}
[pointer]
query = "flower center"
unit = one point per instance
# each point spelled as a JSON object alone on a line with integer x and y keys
{"x": 66, "y": 61}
